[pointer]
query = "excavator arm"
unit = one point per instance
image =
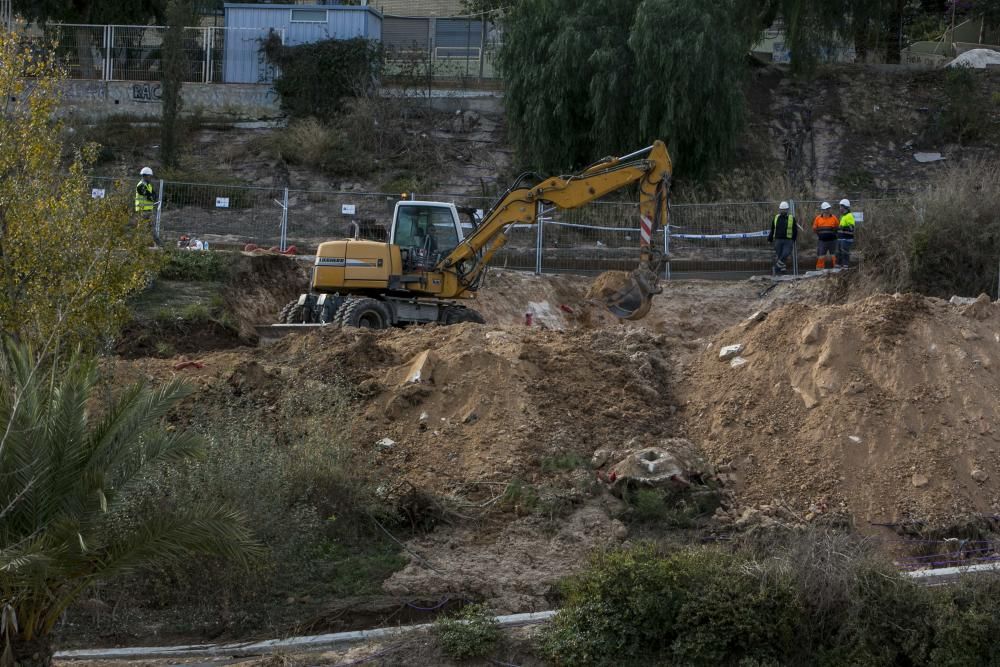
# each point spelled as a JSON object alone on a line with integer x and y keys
{"x": 627, "y": 296}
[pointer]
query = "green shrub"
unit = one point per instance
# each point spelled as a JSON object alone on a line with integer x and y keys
{"x": 472, "y": 633}
{"x": 966, "y": 623}
{"x": 562, "y": 462}
{"x": 693, "y": 607}
{"x": 304, "y": 496}
{"x": 188, "y": 266}
{"x": 316, "y": 77}
{"x": 784, "y": 599}
{"x": 670, "y": 508}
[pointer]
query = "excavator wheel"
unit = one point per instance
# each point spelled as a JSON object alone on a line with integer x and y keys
{"x": 291, "y": 313}
{"x": 459, "y": 314}
{"x": 364, "y": 313}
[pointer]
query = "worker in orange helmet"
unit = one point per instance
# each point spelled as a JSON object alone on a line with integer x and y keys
{"x": 825, "y": 226}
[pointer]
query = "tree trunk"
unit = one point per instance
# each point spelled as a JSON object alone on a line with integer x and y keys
{"x": 31, "y": 653}
{"x": 85, "y": 53}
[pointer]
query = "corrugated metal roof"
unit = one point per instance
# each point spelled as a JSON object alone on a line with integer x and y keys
{"x": 419, "y": 7}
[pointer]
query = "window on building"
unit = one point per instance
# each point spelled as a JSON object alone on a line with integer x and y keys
{"x": 308, "y": 16}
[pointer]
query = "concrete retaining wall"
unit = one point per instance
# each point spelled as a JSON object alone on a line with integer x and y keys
{"x": 90, "y": 101}
{"x": 93, "y": 100}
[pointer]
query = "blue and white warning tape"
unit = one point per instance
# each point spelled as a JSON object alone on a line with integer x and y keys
{"x": 746, "y": 235}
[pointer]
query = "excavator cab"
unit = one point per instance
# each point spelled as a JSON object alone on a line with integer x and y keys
{"x": 424, "y": 232}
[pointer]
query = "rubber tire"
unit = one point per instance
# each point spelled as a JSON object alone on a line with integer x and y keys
{"x": 335, "y": 317}
{"x": 364, "y": 313}
{"x": 291, "y": 313}
{"x": 458, "y": 314}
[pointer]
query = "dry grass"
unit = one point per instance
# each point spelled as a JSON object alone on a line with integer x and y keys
{"x": 374, "y": 134}
{"x": 943, "y": 241}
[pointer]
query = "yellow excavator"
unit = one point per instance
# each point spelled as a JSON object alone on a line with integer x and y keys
{"x": 429, "y": 265}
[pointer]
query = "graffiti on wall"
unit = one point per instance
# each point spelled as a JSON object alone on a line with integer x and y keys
{"x": 146, "y": 92}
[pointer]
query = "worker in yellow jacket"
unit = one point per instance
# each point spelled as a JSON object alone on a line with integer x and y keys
{"x": 145, "y": 201}
{"x": 845, "y": 234}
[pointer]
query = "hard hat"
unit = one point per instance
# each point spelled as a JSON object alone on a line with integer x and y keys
{"x": 846, "y": 203}
{"x": 783, "y": 206}
{"x": 146, "y": 171}
{"x": 825, "y": 206}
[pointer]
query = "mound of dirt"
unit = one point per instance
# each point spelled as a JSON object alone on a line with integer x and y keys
{"x": 260, "y": 285}
{"x": 168, "y": 339}
{"x": 477, "y": 418}
{"x": 490, "y": 403}
{"x": 884, "y": 408}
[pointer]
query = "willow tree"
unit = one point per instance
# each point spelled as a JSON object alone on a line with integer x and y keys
{"x": 68, "y": 259}
{"x": 587, "y": 78}
{"x": 549, "y": 63}
{"x": 690, "y": 69}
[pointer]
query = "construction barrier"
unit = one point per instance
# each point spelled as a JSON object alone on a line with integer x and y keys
{"x": 704, "y": 239}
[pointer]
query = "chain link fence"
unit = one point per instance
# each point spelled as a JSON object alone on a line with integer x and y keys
{"x": 705, "y": 240}
{"x": 134, "y": 53}
{"x": 419, "y": 52}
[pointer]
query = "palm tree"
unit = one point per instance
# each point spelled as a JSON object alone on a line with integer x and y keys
{"x": 64, "y": 471}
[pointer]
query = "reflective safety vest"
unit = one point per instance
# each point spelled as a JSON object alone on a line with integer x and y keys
{"x": 789, "y": 226}
{"x": 826, "y": 226}
{"x": 144, "y": 200}
{"x": 846, "y": 229}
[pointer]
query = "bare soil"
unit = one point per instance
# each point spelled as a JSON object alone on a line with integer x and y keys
{"x": 881, "y": 410}
{"x": 885, "y": 407}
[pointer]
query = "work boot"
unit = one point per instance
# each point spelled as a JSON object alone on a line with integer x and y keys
{"x": 821, "y": 263}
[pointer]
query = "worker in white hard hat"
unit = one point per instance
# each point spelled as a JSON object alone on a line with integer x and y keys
{"x": 145, "y": 201}
{"x": 783, "y": 234}
{"x": 825, "y": 226}
{"x": 845, "y": 234}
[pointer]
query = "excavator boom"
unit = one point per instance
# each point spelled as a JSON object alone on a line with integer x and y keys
{"x": 627, "y": 296}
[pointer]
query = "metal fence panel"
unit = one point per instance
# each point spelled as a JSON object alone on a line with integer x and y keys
{"x": 715, "y": 239}
{"x": 82, "y": 49}
{"x": 223, "y": 215}
{"x": 315, "y": 216}
{"x": 458, "y": 50}
{"x": 742, "y": 255}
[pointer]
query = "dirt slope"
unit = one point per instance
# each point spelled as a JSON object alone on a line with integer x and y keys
{"x": 886, "y": 407}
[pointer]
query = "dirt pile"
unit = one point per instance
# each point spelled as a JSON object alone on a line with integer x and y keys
{"x": 884, "y": 408}
{"x": 487, "y": 404}
{"x": 260, "y": 285}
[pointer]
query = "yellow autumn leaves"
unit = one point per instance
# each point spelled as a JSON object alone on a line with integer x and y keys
{"x": 67, "y": 260}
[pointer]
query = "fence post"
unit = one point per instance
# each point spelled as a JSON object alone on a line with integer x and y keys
{"x": 795, "y": 245}
{"x": 106, "y": 73}
{"x": 159, "y": 209}
{"x": 206, "y": 61}
{"x": 539, "y": 237}
{"x": 666, "y": 246}
{"x": 283, "y": 242}
{"x": 111, "y": 53}
{"x": 482, "y": 44}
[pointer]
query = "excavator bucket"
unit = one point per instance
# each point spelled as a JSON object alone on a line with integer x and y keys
{"x": 627, "y": 296}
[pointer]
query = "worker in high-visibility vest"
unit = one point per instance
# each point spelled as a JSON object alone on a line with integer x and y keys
{"x": 825, "y": 226}
{"x": 145, "y": 201}
{"x": 845, "y": 234}
{"x": 783, "y": 234}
